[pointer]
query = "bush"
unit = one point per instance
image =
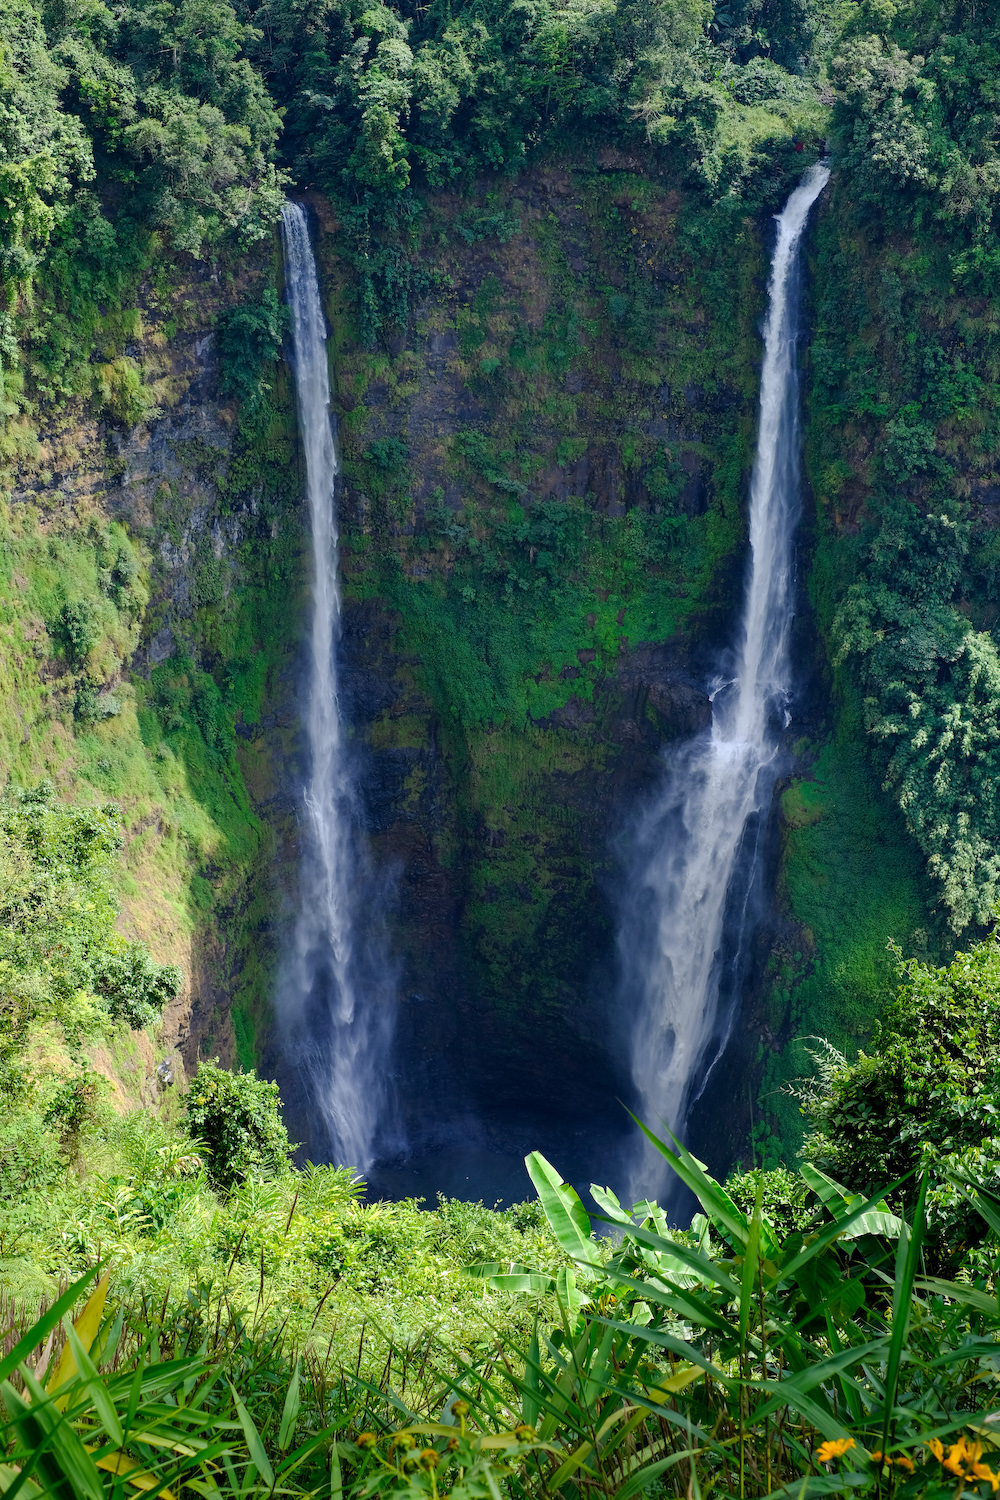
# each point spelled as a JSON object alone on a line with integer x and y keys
{"x": 80, "y": 629}
{"x": 236, "y": 1117}
{"x": 187, "y": 698}
{"x": 134, "y": 986}
{"x": 71, "y": 1109}
{"x": 927, "y": 1095}
{"x": 29, "y": 1157}
{"x": 249, "y": 343}
{"x": 783, "y": 1197}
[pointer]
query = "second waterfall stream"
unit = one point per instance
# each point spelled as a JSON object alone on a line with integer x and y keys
{"x": 335, "y": 996}
{"x": 689, "y": 878}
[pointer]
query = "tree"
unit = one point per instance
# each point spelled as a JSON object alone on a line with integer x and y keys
{"x": 236, "y": 1116}
{"x": 61, "y": 958}
{"x": 926, "y": 1097}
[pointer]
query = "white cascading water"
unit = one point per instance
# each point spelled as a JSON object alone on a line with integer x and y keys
{"x": 339, "y": 1028}
{"x": 689, "y": 842}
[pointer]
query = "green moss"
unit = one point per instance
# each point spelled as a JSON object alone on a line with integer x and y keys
{"x": 74, "y": 605}
{"x": 514, "y": 602}
{"x": 576, "y": 491}
{"x": 851, "y": 879}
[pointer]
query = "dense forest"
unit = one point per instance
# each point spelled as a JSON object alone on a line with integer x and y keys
{"x": 542, "y": 232}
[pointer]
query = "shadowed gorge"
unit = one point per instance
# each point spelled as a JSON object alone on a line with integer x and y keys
{"x": 499, "y": 647}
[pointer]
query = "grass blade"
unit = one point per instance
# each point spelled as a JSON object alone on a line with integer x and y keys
{"x": 45, "y": 1324}
{"x": 907, "y": 1262}
{"x": 290, "y": 1410}
{"x": 254, "y": 1445}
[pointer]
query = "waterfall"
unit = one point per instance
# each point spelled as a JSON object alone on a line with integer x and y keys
{"x": 689, "y": 885}
{"x": 334, "y": 1002}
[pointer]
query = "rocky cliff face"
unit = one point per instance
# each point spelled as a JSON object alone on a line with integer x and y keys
{"x": 545, "y": 454}
{"x": 195, "y": 502}
{"x": 545, "y": 466}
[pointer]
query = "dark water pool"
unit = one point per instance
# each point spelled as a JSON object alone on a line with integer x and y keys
{"x": 485, "y": 1163}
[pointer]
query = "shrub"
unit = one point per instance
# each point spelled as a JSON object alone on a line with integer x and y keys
{"x": 186, "y": 697}
{"x": 135, "y": 987}
{"x": 249, "y": 343}
{"x": 80, "y": 629}
{"x": 783, "y": 1197}
{"x": 29, "y": 1158}
{"x": 236, "y": 1116}
{"x": 71, "y": 1109}
{"x": 926, "y": 1095}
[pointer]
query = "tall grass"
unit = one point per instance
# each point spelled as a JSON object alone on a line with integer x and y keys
{"x": 732, "y": 1359}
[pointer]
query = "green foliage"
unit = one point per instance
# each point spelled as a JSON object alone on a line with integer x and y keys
{"x": 60, "y": 956}
{"x": 294, "y": 1249}
{"x": 249, "y": 343}
{"x": 851, "y": 877}
{"x": 134, "y": 988}
{"x": 176, "y": 111}
{"x": 721, "y": 1357}
{"x": 784, "y": 1197}
{"x": 70, "y": 1109}
{"x": 743, "y": 1355}
{"x": 186, "y": 698}
{"x": 521, "y": 585}
{"x": 385, "y": 98}
{"x": 44, "y": 151}
{"x": 902, "y": 426}
{"x": 81, "y": 630}
{"x": 932, "y": 701}
{"x": 914, "y": 126}
{"x": 386, "y": 103}
{"x": 236, "y": 1116}
{"x": 923, "y": 1097}
{"x": 159, "y": 107}
{"x": 113, "y": 1407}
{"x": 31, "y": 1162}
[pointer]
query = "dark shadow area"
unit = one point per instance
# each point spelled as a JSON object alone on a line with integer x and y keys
{"x": 482, "y": 1159}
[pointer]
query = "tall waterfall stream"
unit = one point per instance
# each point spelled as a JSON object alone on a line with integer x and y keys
{"x": 333, "y": 1000}
{"x": 694, "y": 848}
{"x": 691, "y": 879}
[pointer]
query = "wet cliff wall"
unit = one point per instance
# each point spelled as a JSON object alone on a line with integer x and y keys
{"x": 543, "y": 526}
{"x": 889, "y": 831}
{"x": 545, "y": 481}
{"x": 545, "y": 465}
{"x": 151, "y": 571}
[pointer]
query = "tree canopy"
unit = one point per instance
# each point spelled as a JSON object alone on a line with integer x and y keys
{"x": 923, "y": 1098}
{"x": 61, "y": 959}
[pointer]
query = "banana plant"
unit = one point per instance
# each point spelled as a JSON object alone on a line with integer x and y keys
{"x": 819, "y": 1360}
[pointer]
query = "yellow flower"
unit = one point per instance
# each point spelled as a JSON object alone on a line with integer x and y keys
{"x": 963, "y": 1460}
{"x": 901, "y": 1460}
{"x": 833, "y": 1449}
